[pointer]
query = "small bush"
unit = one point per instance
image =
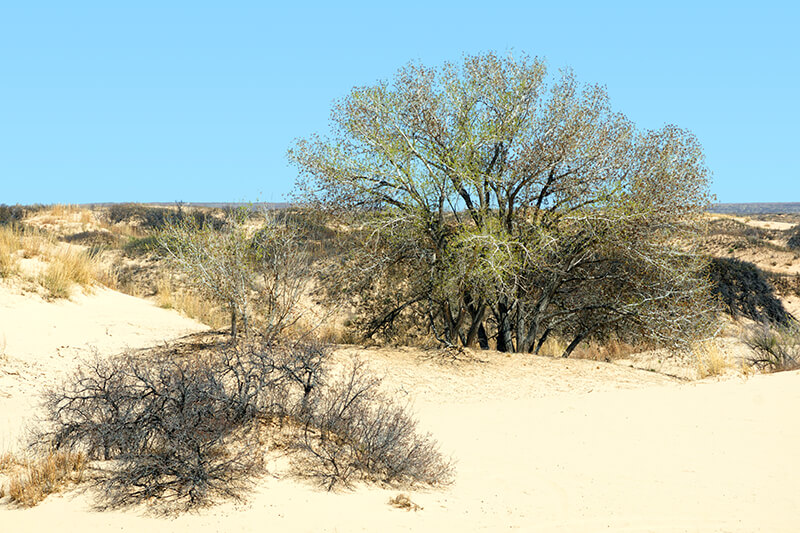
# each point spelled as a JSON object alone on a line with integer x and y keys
{"x": 353, "y": 429}
{"x": 744, "y": 291}
{"x": 156, "y": 217}
{"x": 185, "y": 430}
{"x": 11, "y": 214}
{"x": 775, "y": 347}
{"x": 93, "y": 238}
{"x": 180, "y": 430}
{"x": 138, "y": 246}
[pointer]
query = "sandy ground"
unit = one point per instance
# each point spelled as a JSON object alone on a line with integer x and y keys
{"x": 40, "y": 341}
{"x": 540, "y": 444}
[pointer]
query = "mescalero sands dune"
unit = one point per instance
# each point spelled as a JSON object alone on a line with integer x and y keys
{"x": 540, "y": 444}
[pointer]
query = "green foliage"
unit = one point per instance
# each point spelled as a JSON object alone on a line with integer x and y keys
{"x": 494, "y": 205}
{"x": 257, "y": 272}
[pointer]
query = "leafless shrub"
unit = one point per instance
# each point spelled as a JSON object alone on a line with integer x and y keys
{"x": 178, "y": 429}
{"x": 185, "y": 430}
{"x": 354, "y": 430}
{"x": 776, "y": 347}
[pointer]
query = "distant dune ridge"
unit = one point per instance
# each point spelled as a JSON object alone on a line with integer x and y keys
{"x": 756, "y": 208}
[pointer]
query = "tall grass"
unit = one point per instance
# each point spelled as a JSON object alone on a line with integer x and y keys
{"x": 43, "y": 476}
{"x": 190, "y": 304}
{"x": 67, "y": 267}
{"x": 9, "y": 244}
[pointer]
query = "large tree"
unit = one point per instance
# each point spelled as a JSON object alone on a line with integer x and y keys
{"x": 496, "y": 204}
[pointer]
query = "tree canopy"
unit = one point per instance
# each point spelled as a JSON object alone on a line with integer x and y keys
{"x": 498, "y": 205}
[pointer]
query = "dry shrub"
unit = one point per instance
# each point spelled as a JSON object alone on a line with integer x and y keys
{"x": 352, "y": 429}
{"x": 46, "y": 475}
{"x": 66, "y": 268}
{"x": 775, "y": 347}
{"x": 180, "y": 430}
{"x": 709, "y": 359}
{"x": 185, "y": 430}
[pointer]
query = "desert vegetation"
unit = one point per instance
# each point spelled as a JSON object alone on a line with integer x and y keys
{"x": 183, "y": 431}
{"x": 495, "y": 207}
{"x": 473, "y": 208}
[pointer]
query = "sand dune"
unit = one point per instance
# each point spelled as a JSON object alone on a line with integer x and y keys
{"x": 540, "y": 444}
{"x": 43, "y": 340}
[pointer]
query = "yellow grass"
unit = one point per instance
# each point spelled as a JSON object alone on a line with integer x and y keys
{"x": 7, "y": 460}
{"x": 9, "y": 244}
{"x": 34, "y": 243}
{"x": 47, "y": 475}
{"x": 66, "y": 268}
{"x": 190, "y": 305}
{"x": 200, "y": 309}
{"x": 709, "y": 359}
{"x": 164, "y": 293}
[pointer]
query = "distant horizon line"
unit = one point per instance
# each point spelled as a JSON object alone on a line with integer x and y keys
{"x": 720, "y": 207}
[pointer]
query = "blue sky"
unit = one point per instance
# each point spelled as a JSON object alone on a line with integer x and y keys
{"x": 198, "y": 101}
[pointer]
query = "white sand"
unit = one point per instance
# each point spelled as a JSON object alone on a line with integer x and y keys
{"x": 540, "y": 444}
{"x": 40, "y": 341}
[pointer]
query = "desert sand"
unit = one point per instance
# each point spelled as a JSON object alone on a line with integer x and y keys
{"x": 540, "y": 444}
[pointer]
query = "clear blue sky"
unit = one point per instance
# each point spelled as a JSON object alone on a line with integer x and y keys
{"x": 198, "y": 101}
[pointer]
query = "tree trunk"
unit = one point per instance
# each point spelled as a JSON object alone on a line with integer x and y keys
{"x": 575, "y": 342}
{"x": 233, "y": 322}
{"x": 505, "y": 341}
{"x": 483, "y": 338}
{"x": 476, "y": 313}
{"x": 541, "y": 340}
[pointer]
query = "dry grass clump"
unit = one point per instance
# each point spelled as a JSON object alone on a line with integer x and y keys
{"x": 7, "y": 460}
{"x": 46, "y": 475}
{"x": 9, "y": 244}
{"x": 403, "y": 501}
{"x": 66, "y": 268}
{"x": 709, "y": 360}
{"x": 608, "y": 350}
{"x": 56, "y": 213}
{"x": 190, "y": 304}
{"x": 35, "y": 243}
